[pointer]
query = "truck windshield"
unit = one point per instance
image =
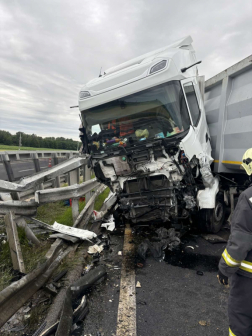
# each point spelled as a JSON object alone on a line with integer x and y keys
{"x": 158, "y": 112}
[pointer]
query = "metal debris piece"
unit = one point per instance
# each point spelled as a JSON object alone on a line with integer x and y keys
{"x": 59, "y": 275}
{"x": 214, "y": 239}
{"x": 167, "y": 239}
{"x": 65, "y": 237}
{"x": 77, "y": 289}
{"x": 40, "y": 329}
{"x": 71, "y": 231}
{"x": 50, "y": 331}
{"x": 49, "y": 288}
{"x": 200, "y": 273}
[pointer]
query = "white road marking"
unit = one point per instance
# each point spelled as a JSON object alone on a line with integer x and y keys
{"x": 20, "y": 171}
{"x": 126, "y": 317}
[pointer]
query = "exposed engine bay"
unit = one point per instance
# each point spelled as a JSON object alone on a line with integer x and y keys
{"x": 154, "y": 181}
{"x": 145, "y": 149}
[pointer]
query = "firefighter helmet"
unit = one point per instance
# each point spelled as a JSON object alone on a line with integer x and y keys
{"x": 247, "y": 161}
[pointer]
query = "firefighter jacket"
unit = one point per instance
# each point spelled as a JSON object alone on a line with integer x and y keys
{"x": 237, "y": 256}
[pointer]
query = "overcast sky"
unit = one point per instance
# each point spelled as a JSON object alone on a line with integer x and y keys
{"x": 50, "y": 48}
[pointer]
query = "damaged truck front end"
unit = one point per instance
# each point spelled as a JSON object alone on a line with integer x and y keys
{"x": 145, "y": 130}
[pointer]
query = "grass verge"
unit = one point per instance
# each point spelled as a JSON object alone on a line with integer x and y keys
{"x": 48, "y": 213}
{"x": 7, "y": 148}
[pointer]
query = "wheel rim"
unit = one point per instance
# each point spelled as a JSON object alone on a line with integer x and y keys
{"x": 218, "y": 212}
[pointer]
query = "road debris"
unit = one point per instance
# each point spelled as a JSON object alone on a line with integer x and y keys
{"x": 204, "y": 323}
{"x": 60, "y": 275}
{"x": 94, "y": 249}
{"x": 74, "y": 291}
{"x": 98, "y": 214}
{"x": 166, "y": 239}
{"x": 71, "y": 231}
{"x": 138, "y": 285}
{"x": 213, "y": 238}
{"x": 81, "y": 311}
{"x": 109, "y": 224}
{"x": 200, "y": 273}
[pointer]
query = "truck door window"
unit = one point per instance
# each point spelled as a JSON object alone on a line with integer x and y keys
{"x": 192, "y": 102}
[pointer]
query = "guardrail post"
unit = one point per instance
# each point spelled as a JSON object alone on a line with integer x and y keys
{"x": 8, "y": 168}
{"x": 86, "y": 177}
{"x": 73, "y": 179}
{"x": 55, "y": 162}
{"x": 15, "y": 248}
{"x": 36, "y": 162}
{"x": 37, "y": 167}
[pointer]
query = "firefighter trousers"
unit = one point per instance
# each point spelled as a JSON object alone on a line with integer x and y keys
{"x": 240, "y": 306}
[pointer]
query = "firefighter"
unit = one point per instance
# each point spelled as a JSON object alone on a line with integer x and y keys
{"x": 235, "y": 267}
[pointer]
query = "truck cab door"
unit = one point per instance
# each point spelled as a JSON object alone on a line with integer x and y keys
{"x": 196, "y": 110}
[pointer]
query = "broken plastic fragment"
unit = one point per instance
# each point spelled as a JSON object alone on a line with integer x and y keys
{"x": 110, "y": 224}
{"x": 71, "y": 231}
{"x": 138, "y": 285}
{"x": 94, "y": 249}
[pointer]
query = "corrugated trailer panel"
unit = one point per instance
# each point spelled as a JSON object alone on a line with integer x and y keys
{"x": 228, "y": 105}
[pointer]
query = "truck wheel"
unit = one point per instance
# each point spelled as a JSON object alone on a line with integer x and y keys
{"x": 211, "y": 220}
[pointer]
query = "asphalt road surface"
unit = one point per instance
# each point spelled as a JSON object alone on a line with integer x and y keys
{"x": 23, "y": 167}
{"x": 173, "y": 299}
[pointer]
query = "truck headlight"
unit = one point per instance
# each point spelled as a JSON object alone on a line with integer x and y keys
{"x": 84, "y": 94}
{"x": 159, "y": 66}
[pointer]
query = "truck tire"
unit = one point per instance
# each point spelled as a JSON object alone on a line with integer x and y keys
{"x": 211, "y": 220}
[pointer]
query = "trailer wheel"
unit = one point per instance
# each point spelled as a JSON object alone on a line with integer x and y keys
{"x": 211, "y": 220}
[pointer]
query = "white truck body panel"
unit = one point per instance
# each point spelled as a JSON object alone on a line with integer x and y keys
{"x": 228, "y": 105}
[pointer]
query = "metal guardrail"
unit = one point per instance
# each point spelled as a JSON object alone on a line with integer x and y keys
{"x": 29, "y": 162}
{"x": 43, "y": 176}
{"x": 19, "y": 292}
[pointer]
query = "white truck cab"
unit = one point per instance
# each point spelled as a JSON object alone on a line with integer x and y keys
{"x": 144, "y": 127}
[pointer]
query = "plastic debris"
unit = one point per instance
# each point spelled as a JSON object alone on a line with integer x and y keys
{"x": 138, "y": 285}
{"x": 109, "y": 224}
{"x": 94, "y": 249}
{"x": 98, "y": 214}
{"x": 120, "y": 253}
{"x": 72, "y": 231}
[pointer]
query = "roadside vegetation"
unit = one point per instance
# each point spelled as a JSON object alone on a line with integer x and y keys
{"x": 37, "y": 142}
{"x": 9, "y": 148}
{"x": 48, "y": 213}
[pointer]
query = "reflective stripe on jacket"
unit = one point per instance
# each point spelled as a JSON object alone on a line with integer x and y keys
{"x": 231, "y": 333}
{"x": 237, "y": 256}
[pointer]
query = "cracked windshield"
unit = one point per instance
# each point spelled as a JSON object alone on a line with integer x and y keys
{"x": 155, "y": 113}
